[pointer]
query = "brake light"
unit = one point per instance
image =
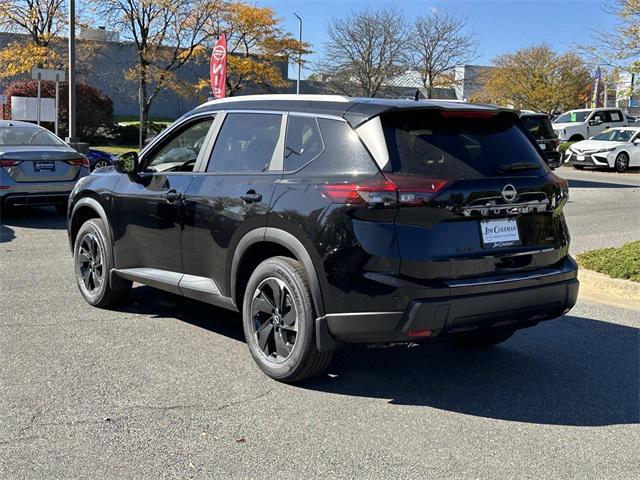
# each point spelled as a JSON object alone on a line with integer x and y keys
{"x": 79, "y": 162}
{"x": 404, "y": 190}
{"x": 468, "y": 113}
{"x": 9, "y": 163}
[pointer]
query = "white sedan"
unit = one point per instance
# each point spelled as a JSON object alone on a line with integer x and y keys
{"x": 617, "y": 148}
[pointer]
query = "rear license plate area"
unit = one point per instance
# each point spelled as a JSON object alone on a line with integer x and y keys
{"x": 44, "y": 166}
{"x": 501, "y": 232}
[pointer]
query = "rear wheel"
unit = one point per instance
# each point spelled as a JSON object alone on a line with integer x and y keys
{"x": 101, "y": 164}
{"x": 484, "y": 339}
{"x": 279, "y": 321}
{"x": 93, "y": 258}
{"x": 622, "y": 162}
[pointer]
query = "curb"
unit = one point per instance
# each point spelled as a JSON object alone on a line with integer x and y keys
{"x": 601, "y": 288}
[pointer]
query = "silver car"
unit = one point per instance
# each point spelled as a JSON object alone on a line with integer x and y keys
{"x": 37, "y": 167}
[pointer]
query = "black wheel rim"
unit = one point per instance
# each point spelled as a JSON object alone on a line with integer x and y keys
{"x": 89, "y": 263}
{"x": 621, "y": 162}
{"x": 275, "y": 320}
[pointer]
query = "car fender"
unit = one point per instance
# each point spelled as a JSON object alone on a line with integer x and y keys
{"x": 287, "y": 240}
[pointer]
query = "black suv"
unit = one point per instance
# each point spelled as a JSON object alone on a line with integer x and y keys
{"x": 539, "y": 126}
{"x": 332, "y": 220}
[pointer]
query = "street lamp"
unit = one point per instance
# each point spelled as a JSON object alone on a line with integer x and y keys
{"x": 72, "y": 73}
{"x": 299, "y": 53}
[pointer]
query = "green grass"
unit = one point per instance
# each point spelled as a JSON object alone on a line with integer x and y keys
{"x": 116, "y": 149}
{"x": 623, "y": 262}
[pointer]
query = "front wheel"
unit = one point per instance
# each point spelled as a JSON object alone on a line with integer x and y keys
{"x": 622, "y": 162}
{"x": 484, "y": 339}
{"x": 93, "y": 258}
{"x": 279, "y": 321}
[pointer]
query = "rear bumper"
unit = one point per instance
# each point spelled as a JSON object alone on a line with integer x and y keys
{"x": 52, "y": 198}
{"x": 466, "y": 306}
{"x": 553, "y": 158}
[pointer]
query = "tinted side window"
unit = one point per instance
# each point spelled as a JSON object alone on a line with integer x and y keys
{"x": 615, "y": 116}
{"x": 246, "y": 143}
{"x": 303, "y": 142}
{"x": 182, "y": 147}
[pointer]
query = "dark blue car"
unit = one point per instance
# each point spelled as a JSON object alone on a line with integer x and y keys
{"x": 99, "y": 159}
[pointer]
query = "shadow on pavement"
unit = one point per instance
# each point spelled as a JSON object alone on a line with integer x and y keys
{"x": 594, "y": 184}
{"x": 569, "y": 371}
{"x": 159, "y": 304}
{"x": 34, "y": 217}
{"x": 6, "y": 234}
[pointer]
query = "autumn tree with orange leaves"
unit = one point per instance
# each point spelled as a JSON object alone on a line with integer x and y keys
{"x": 257, "y": 46}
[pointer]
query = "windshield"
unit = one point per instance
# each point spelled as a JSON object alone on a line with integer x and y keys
{"x": 450, "y": 145}
{"x": 614, "y": 136}
{"x": 28, "y": 136}
{"x": 573, "y": 117}
{"x": 539, "y": 126}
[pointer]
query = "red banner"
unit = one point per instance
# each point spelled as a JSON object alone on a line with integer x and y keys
{"x": 218, "y": 68}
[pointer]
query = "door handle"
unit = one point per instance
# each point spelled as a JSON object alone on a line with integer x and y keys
{"x": 173, "y": 196}
{"x": 251, "y": 197}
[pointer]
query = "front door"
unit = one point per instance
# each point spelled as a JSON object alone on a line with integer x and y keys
{"x": 231, "y": 196}
{"x": 148, "y": 206}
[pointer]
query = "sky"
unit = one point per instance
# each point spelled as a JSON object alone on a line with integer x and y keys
{"x": 501, "y": 26}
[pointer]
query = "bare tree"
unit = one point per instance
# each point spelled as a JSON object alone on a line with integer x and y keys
{"x": 365, "y": 50}
{"x": 40, "y": 19}
{"x": 440, "y": 44}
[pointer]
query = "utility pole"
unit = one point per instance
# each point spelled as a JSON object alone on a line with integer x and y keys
{"x": 299, "y": 54}
{"x": 72, "y": 73}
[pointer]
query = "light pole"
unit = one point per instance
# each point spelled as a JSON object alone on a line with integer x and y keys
{"x": 72, "y": 73}
{"x": 299, "y": 53}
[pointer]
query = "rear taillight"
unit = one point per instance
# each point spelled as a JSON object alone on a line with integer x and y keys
{"x": 9, "y": 163}
{"x": 79, "y": 162}
{"x": 404, "y": 190}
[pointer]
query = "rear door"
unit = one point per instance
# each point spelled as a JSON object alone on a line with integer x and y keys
{"x": 494, "y": 206}
{"x": 231, "y": 196}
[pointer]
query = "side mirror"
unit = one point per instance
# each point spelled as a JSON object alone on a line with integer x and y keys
{"x": 127, "y": 162}
{"x": 595, "y": 121}
{"x": 636, "y": 141}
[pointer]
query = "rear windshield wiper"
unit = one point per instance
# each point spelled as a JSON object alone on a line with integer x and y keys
{"x": 510, "y": 167}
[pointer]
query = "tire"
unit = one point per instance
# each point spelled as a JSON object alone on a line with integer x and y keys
{"x": 576, "y": 138}
{"x": 93, "y": 261}
{"x": 622, "y": 162}
{"x": 484, "y": 339}
{"x": 281, "y": 334}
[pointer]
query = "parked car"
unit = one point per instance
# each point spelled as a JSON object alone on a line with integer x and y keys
{"x": 37, "y": 167}
{"x": 99, "y": 159}
{"x": 617, "y": 148}
{"x": 540, "y": 128}
{"x": 576, "y": 125}
{"x": 329, "y": 220}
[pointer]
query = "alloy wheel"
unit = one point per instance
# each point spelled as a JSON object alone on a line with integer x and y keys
{"x": 275, "y": 319}
{"x": 89, "y": 263}
{"x": 101, "y": 164}
{"x": 621, "y": 162}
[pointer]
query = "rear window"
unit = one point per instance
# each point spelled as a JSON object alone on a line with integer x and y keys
{"x": 538, "y": 126}
{"x": 438, "y": 145}
{"x": 31, "y": 136}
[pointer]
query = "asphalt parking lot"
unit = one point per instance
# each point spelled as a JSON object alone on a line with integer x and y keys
{"x": 165, "y": 387}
